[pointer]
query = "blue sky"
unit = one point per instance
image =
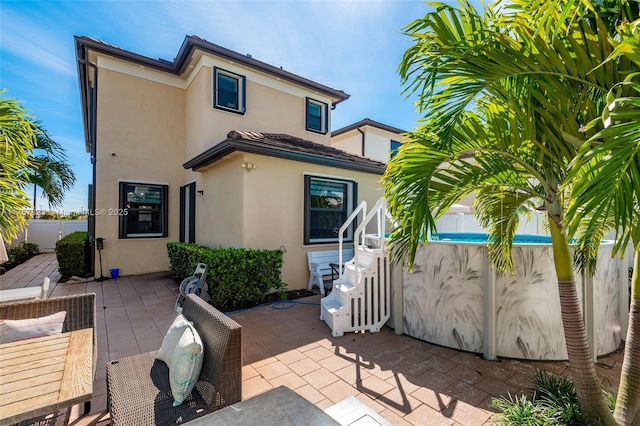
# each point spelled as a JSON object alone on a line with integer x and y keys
{"x": 355, "y": 46}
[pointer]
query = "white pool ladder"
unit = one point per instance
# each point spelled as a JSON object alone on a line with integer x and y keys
{"x": 361, "y": 296}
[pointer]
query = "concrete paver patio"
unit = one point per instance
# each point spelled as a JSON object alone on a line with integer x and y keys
{"x": 407, "y": 381}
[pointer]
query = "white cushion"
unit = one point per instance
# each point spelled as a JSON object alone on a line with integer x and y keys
{"x": 171, "y": 339}
{"x": 185, "y": 365}
{"x": 14, "y": 330}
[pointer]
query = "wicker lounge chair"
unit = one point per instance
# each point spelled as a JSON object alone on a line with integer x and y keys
{"x": 138, "y": 387}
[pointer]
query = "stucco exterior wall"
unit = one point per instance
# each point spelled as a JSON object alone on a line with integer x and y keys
{"x": 220, "y": 210}
{"x": 155, "y": 122}
{"x": 270, "y": 213}
{"x": 267, "y": 110}
{"x": 377, "y": 145}
{"x": 350, "y": 142}
{"x": 142, "y": 123}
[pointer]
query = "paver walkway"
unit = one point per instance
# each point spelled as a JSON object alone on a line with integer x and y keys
{"x": 406, "y": 380}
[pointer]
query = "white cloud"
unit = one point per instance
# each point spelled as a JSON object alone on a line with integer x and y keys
{"x": 39, "y": 45}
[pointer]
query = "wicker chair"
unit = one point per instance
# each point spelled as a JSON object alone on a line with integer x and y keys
{"x": 81, "y": 313}
{"x": 138, "y": 390}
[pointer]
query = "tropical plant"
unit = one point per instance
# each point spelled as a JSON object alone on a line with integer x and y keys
{"x": 552, "y": 401}
{"x": 17, "y": 140}
{"x": 49, "y": 169}
{"x": 506, "y": 93}
{"x": 606, "y": 185}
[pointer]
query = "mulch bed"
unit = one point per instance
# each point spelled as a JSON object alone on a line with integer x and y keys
{"x": 269, "y": 298}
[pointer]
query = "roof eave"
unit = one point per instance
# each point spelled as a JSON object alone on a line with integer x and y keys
{"x": 82, "y": 81}
{"x": 368, "y": 122}
{"x": 180, "y": 63}
{"x": 227, "y": 146}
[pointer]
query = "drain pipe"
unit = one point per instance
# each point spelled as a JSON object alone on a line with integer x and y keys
{"x": 362, "y": 133}
{"x": 92, "y": 135}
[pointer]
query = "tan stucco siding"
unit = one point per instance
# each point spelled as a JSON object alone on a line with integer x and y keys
{"x": 274, "y": 209}
{"x": 142, "y": 123}
{"x": 197, "y": 105}
{"x": 267, "y": 110}
{"x": 350, "y": 142}
{"x": 377, "y": 142}
{"x": 219, "y": 211}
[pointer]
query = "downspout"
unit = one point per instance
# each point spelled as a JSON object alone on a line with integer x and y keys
{"x": 362, "y": 133}
{"x": 91, "y": 134}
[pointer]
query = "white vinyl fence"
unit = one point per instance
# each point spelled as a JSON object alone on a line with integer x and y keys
{"x": 45, "y": 233}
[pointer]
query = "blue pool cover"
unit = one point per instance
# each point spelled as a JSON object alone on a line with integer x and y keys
{"x": 471, "y": 237}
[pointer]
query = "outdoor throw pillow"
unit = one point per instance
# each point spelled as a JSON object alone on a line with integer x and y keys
{"x": 171, "y": 339}
{"x": 14, "y": 330}
{"x": 185, "y": 365}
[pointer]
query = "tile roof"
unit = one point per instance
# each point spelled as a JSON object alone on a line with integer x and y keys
{"x": 287, "y": 147}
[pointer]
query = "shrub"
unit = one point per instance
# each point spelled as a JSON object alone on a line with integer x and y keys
{"x": 554, "y": 402}
{"x": 18, "y": 255}
{"x": 73, "y": 253}
{"x": 236, "y": 276}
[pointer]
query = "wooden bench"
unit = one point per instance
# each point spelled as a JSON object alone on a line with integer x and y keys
{"x": 320, "y": 265}
{"x": 39, "y": 292}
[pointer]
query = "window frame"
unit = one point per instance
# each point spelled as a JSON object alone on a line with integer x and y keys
{"x": 393, "y": 151}
{"x": 324, "y": 116}
{"x": 241, "y": 95}
{"x": 123, "y": 211}
{"x": 351, "y": 199}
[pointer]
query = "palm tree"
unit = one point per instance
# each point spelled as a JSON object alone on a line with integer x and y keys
{"x": 49, "y": 169}
{"x": 606, "y": 185}
{"x": 17, "y": 139}
{"x": 507, "y": 101}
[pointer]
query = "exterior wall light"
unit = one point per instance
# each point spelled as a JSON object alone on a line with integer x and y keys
{"x": 199, "y": 193}
{"x": 248, "y": 166}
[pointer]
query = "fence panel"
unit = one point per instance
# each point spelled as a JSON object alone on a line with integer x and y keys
{"x": 45, "y": 233}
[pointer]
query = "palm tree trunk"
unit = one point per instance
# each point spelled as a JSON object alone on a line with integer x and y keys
{"x": 588, "y": 388}
{"x": 628, "y": 401}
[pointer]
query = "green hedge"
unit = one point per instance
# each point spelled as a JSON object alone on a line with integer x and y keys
{"x": 74, "y": 255}
{"x": 236, "y": 276}
{"x": 18, "y": 255}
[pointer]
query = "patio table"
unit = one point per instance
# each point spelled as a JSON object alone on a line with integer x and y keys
{"x": 42, "y": 375}
{"x": 278, "y": 407}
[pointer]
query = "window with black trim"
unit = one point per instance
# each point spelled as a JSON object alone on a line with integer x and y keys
{"x": 143, "y": 210}
{"x": 229, "y": 91}
{"x": 328, "y": 202}
{"x": 393, "y": 147}
{"x": 316, "y": 116}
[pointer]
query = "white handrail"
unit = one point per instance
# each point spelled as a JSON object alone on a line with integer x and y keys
{"x": 379, "y": 210}
{"x": 362, "y": 207}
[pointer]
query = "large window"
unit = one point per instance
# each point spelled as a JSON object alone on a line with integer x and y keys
{"x": 143, "y": 210}
{"x": 229, "y": 91}
{"x": 328, "y": 203}
{"x": 317, "y": 116}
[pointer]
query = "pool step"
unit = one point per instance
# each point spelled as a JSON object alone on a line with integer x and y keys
{"x": 364, "y": 305}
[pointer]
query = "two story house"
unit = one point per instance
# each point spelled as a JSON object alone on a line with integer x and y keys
{"x": 213, "y": 147}
{"x": 369, "y": 138}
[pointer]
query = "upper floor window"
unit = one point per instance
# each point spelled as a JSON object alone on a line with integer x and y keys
{"x": 228, "y": 91}
{"x": 328, "y": 203}
{"x": 317, "y": 116}
{"x": 143, "y": 210}
{"x": 393, "y": 147}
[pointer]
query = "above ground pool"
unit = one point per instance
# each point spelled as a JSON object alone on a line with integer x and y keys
{"x": 455, "y": 299}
